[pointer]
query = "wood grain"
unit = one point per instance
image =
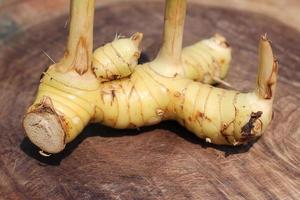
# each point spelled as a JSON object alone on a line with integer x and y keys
{"x": 158, "y": 162}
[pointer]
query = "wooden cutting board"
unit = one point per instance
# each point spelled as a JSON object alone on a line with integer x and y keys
{"x": 163, "y": 161}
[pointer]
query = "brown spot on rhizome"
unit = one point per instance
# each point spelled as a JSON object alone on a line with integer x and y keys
{"x": 248, "y": 132}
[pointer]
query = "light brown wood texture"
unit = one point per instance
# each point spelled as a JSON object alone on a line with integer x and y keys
{"x": 163, "y": 161}
{"x": 25, "y": 12}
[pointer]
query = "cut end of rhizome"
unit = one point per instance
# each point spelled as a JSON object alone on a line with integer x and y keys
{"x": 45, "y": 128}
{"x": 45, "y": 131}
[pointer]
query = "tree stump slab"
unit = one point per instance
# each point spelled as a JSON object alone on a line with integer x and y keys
{"x": 159, "y": 162}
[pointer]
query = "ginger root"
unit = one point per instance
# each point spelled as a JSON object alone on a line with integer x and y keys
{"x": 75, "y": 91}
{"x": 206, "y": 61}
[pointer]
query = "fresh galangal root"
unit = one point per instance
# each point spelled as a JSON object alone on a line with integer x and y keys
{"x": 109, "y": 87}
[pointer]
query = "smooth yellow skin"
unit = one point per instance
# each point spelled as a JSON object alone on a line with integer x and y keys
{"x": 117, "y": 59}
{"x": 73, "y": 100}
{"x": 203, "y": 61}
{"x": 146, "y": 98}
{"x": 74, "y": 95}
{"x": 207, "y": 60}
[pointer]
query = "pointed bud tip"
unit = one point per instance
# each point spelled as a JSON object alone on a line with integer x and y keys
{"x": 265, "y": 38}
{"x": 221, "y": 40}
{"x": 137, "y": 38}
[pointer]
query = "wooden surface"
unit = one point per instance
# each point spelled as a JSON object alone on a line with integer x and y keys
{"x": 158, "y": 162}
{"x": 17, "y": 15}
